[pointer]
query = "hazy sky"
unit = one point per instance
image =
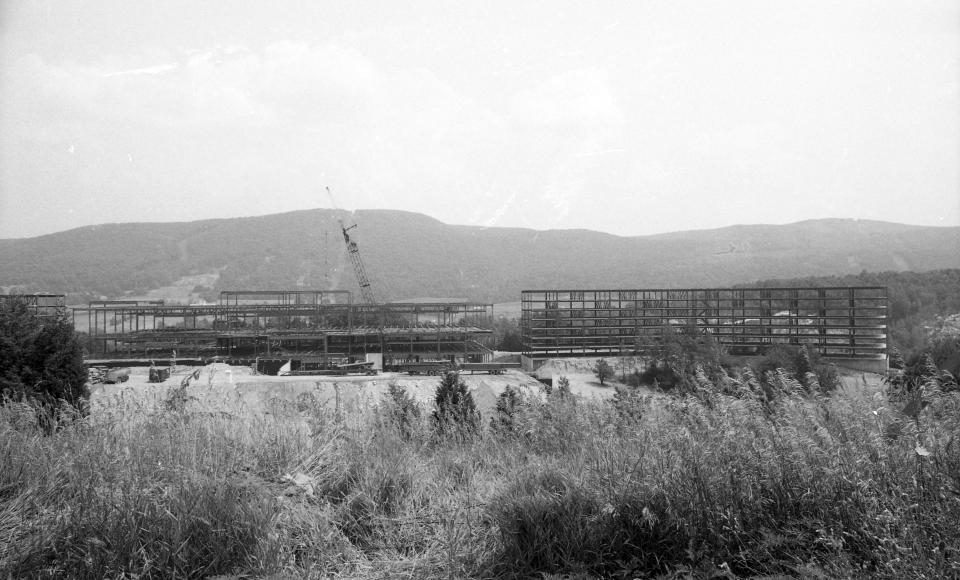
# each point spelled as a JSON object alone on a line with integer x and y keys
{"x": 630, "y": 117}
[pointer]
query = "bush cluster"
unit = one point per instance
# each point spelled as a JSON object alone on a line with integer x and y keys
{"x": 745, "y": 476}
{"x": 41, "y": 360}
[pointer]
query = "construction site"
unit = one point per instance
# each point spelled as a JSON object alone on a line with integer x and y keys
{"x": 310, "y": 331}
{"x": 325, "y": 329}
{"x": 306, "y": 330}
{"x": 313, "y": 328}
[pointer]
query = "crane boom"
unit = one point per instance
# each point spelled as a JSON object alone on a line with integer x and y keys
{"x": 366, "y": 292}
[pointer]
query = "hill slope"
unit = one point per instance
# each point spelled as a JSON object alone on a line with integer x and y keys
{"x": 409, "y": 255}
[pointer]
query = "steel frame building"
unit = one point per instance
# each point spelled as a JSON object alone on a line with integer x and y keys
{"x": 284, "y": 297}
{"x": 277, "y": 323}
{"x": 837, "y": 322}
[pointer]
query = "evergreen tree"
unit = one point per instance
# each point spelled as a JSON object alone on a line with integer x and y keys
{"x": 455, "y": 409}
{"x": 405, "y": 411}
{"x": 40, "y": 359}
{"x": 507, "y": 404}
{"x": 928, "y": 367}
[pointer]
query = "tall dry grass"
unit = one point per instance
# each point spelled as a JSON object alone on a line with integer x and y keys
{"x": 727, "y": 484}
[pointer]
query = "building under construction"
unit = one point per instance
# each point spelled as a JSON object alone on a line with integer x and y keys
{"x": 315, "y": 328}
{"x": 320, "y": 326}
{"x": 842, "y": 323}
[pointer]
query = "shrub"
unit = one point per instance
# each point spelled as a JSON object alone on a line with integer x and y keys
{"x": 455, "y": 412}
{"x": 943, "y": 343}
{"x": 40, "y": 360}
{"x": 814, "y": 491}
{"x": 133, "y": 496}
{"x": 603, "y": 370}
{"x": 677, "y": 356}
{"x": 546, "y": 523}
{"x": 659, "y": 374}
{"x": 802, "y": 363}
{"x": 635, "y": 378}
{"x": 750, "y": 481}
{"x": 404, "y": 410}
{"x": 921, "y": 372}
{"x": 508, "y": 403}
{"x": 629, "y": 406}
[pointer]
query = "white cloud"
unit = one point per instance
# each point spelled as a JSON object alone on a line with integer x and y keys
{"x": 147, "y": 70}
{"x": 721, "y": 114}
{"x": 260, "y": 129}
{"x": 582, "y": 97}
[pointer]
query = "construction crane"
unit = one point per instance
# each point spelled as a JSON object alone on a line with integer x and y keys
{"x": 366, "y": 292}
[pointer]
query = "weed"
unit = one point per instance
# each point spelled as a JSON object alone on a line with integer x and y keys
{"x": 741, "y": 476}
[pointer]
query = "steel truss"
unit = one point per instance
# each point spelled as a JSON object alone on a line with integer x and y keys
{"x": 275, "y": 323}
{"x": 841, "y": 322}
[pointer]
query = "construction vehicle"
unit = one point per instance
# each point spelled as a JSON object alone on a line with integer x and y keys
{"x": 158, "y": 374}
{"x": 357, "y": 368}
{"x": 438, "y": 367}
{"x": 119, "y": 375}
{"x": 366, "y": 292}
{"x": 493, "y": 368}
{"x": 424, "y": 367}
{"x": 96, "y": 374}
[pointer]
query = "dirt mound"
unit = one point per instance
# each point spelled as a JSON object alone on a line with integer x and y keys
{"x": 237, "y": 390}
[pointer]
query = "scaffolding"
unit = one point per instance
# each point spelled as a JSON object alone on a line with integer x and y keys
{"x": 837, "y": 322}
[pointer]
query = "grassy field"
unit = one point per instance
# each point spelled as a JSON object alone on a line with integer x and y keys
{"x": 725, "y": 485}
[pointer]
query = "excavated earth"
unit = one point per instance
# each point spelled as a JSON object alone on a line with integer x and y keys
{"x": 235, "y": 389}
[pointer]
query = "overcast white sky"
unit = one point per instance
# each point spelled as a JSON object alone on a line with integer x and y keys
{"x": 630, "y": 117}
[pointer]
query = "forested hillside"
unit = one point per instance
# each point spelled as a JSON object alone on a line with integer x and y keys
{"x": 410, "y": 255}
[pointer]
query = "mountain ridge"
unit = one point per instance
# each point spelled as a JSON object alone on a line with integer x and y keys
{"x": 409, "y": 255}
{"x": 96, "y": 227}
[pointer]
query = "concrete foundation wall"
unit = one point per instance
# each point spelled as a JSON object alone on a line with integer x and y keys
{"x": 530, "y": 364}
